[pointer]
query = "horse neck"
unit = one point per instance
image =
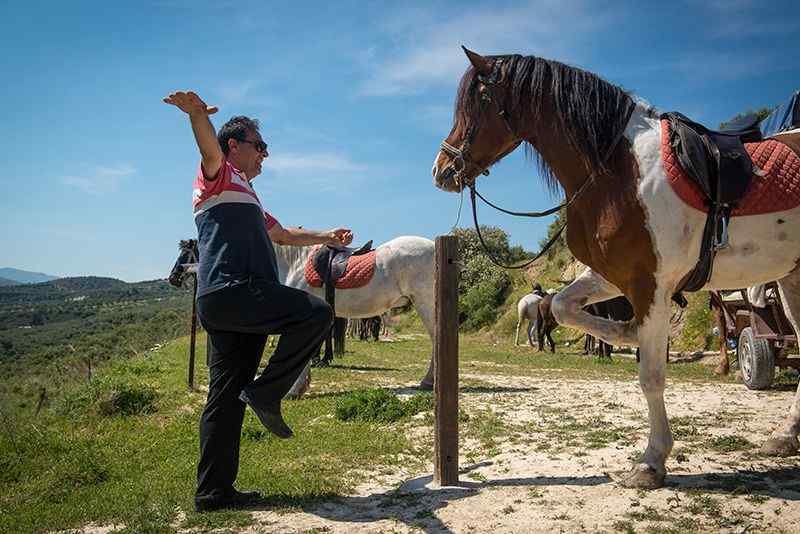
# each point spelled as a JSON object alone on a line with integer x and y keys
{"x": 290, "y": 258}
{"x": 546, "y": 134}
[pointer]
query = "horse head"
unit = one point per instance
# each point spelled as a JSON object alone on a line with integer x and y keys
{"x": 187, "y": 255}
{"x": 482, "y": 132}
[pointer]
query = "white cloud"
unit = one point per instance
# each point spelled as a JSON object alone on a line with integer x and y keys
{"x": 426, "y": 49}
{"x": 101, "y": 180}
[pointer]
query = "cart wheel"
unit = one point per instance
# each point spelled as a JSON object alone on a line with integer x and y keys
{"x": 756, "y": 360}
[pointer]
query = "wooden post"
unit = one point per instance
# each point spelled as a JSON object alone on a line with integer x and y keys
{"x": 193, "y": 333}
{"x": 445, "y": 362}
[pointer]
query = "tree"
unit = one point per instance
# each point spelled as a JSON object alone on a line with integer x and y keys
{"x": 483, "y": 286}
{"x": 762, "y": 114}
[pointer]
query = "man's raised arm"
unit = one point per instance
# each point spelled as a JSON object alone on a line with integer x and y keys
{"x": 203, "y": 130}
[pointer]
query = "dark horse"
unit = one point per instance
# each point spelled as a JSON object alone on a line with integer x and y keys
{"x": 618, "y": 309}
{"x": 626, "y": 221}
{"x": 545, "y": 323}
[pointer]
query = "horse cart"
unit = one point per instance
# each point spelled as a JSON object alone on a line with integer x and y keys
{"x": 761, "y": 335}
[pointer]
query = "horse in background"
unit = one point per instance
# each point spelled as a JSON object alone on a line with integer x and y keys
{"x": 527, "y": 310}
{"x": 616, "y": 309}
{"x": 545, "y": 322}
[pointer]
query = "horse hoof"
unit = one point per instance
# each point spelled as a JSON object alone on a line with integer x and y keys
{"x": 426, "y": 386}
{"x": 643, "y": 476}
{"x": 780, "y": 447}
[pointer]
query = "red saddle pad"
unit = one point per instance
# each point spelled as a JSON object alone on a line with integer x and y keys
{"x": 776, "y": 189}
{"x": 358, "y": 273}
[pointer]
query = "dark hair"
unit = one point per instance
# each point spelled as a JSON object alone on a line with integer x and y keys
{"x": 537, "y": 287}
{"x": 236, "y": 128}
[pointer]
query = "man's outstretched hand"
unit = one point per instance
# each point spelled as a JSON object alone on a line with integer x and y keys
{"x": 190, "y": 103}
{"x": 340, "y": 237}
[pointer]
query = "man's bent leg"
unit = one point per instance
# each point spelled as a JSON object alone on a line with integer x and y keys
{"x": 300, "y": 339}
{"x": 233, "y": 361}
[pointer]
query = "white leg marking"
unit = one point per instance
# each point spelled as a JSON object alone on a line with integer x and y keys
{"x": 589, "y": 288}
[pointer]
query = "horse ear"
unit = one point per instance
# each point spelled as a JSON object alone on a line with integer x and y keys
{"x": 481, "y": 64}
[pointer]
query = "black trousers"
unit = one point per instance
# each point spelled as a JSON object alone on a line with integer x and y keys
{"x": 238, "y": 320}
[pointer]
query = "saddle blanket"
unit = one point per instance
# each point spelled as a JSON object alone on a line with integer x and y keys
{"x": 358, "y": 273}
{"x": 776, "y": 188}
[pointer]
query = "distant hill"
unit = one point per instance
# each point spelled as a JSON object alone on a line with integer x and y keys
{"x": 87, "y": 316}
{"x": 7, "y": 282}
{"x": 24, "y": 277}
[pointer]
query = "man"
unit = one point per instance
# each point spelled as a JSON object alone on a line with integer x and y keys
{"x": 240, "y": 300}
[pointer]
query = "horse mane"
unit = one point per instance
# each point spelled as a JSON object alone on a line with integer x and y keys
{"x": 592, "y": 111}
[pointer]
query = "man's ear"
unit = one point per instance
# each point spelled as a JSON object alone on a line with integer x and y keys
{"x": 481, "y": 64}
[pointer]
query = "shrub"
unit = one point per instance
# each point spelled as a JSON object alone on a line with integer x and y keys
{"x": 379, "y": 406}
{"x": 127, "y": 399}
{"x": 483, "y": 286}
{"x": 109, "y": 396}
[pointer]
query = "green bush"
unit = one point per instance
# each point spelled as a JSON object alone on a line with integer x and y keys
{"x": 483, "y": 286}
{"x": 109, "y": 396}
{"x": 379, "y": 406}
{"x": 127, "y": 399}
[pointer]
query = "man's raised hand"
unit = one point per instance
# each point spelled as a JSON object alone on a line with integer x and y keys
{"x": 190, "y": 103}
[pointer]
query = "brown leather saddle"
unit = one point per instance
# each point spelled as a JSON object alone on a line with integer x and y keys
{"x": 721, "y": 167}
{"x": 330, "y": 263}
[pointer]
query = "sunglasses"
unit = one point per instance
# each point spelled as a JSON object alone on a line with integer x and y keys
{"x": 261, "y": 146}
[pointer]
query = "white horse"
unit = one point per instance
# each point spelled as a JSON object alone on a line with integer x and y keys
{"x": 404, "y": 273}
{"x": 527, "y": 308}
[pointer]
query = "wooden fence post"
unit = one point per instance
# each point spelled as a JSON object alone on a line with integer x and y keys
{"x": 445, "y": 354}
{"x": 193, "y": 333}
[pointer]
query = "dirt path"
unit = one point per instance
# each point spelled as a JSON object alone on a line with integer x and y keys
{"x": 539, "y": 455}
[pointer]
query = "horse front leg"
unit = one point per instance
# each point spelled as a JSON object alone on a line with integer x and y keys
{"x": 587, "y": 289}
{"x": 426, "y": 314}
{"x": 783, "y": 442}
{"x": 516, "y": 336}
{"x": 650, "y": 472}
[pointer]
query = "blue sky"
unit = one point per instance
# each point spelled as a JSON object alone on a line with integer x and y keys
{"x": 354, "y": 98}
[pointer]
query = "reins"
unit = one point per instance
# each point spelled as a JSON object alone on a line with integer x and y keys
{"x": 473, "y": 192}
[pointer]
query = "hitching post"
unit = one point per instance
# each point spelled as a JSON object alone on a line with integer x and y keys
{"x": 193, "y": 332}
{"x": 445, "y": 356}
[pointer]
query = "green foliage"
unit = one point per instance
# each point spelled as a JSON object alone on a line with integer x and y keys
{"x": 109, "y": 396}
{"x": 730, "y": 444}
{"x": 762, "y": 114}
{"x": 483, "y": 286}
{"x": 379, "y": 406}
{"x": 697, "y": 324}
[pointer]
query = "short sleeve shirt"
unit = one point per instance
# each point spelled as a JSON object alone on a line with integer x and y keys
{"x": 232, "y": 238}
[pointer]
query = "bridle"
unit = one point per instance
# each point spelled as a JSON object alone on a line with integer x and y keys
{"x": 462, "y": 161}
{"x": 461, "y": 157}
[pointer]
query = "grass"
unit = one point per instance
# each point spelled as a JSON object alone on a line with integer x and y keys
{"x": 121, "y": 448}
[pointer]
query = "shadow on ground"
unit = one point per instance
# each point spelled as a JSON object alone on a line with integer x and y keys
{"x": 415, "y": 502}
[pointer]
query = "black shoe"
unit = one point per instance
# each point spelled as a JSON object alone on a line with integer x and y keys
{"x": 229, "y": 501}
{"x": 270, "y": 416}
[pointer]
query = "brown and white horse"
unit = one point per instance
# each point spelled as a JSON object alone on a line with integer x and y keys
{"x": 638, "y": 237}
